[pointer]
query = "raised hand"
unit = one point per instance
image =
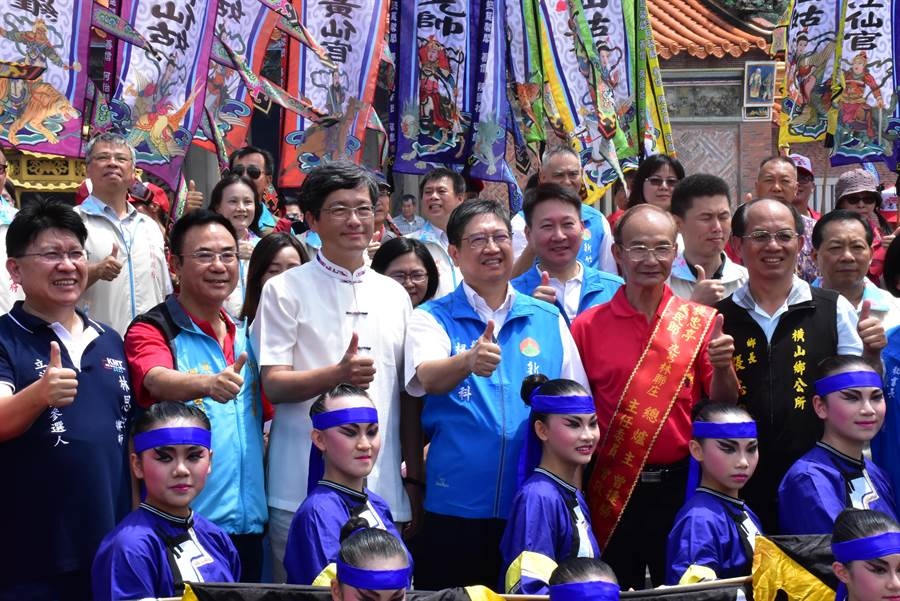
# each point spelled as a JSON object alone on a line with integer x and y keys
{"x": 60, "y": 384}
{"x": 544, "y": 291}
{"x": 870, "y": 330}
{"x": 721, "y": 345}
{"x": 356, "y": 369}
{"x": 706, "y": 292}
{"x": 484, "y": 356}
{"x": 226, "y": 384}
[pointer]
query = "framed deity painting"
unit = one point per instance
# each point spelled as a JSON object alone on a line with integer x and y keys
{"x": 759, "y": 83}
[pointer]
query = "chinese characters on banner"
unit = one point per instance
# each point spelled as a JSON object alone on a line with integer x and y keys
{"x": 158, "y": 102}
{"x": 866, "y": 119}
{"x": 353, "y": 34}
{"x": 811, "y": 35}
{"x": 44, "y": 53}
{"x": 245, "y": 26}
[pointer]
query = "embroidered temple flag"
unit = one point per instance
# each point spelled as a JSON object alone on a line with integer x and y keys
{"x": 44, "y": 52}
{"x": 811, "y": 36}
{"x": 653, "y": 120}
{"x": 243, "y": 27}
{"x": 352, "y": 34}
{"x": 525, "y": 73}
{"x": 866, "y": 120}
{"x": 158, "y": 104}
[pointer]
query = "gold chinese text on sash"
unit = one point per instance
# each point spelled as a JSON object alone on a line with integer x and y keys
{"x": 643, "y": 408}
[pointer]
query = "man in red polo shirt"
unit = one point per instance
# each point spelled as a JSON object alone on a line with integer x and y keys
{"x": 667, "y": 354}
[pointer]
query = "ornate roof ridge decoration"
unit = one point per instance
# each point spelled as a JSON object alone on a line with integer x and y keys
{"x": 703, "y": 28}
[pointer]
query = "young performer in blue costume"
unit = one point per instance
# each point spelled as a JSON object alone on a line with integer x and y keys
{"x": 549, "y": 521}
{"x": 163, "y": 544}
{"x": 372, "y": 565}
{"x": 345, "y": 434}
{"x": 834, "y": 475}
{"x": 866, "y": 548}
{"x": 583, "y": 578}
{"x": 714, "y": 532}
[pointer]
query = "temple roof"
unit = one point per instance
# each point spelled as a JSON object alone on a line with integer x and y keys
{"x": 703, "y": 28}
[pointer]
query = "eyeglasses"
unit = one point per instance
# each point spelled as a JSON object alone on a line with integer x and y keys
{"x": 207, "y": 257}
{"x": 480, "y": 241}
{"x": 251, "y": 171}
{"x": 341, "y": 212}
{"x": 55, "y": 257}
{"x": 416, "y": 277}
{"x": 639, "y": 252}
{"x": 863, "y": 197}
{"x": 762, "y": 237}
{"x": 656, "y": 182}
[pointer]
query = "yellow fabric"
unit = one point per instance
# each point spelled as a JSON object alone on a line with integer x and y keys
{"x": 528, "y": 564}
{"x": 774, "y": 570}
{"x": 482, "y": 593}
{"x": 695, "y": 574}
{"x": 189, "y": 594}
{"x": 325, "y": 577}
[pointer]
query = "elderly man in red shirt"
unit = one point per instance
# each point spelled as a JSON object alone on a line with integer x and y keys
{"x": 667, "y": 354}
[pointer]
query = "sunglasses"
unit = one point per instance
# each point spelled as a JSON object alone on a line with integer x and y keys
{"x": 252, "y": 171}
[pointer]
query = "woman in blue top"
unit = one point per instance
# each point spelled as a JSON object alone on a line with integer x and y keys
{"x": 714, "y": 532}
{"x": 549, "y": 521}
{"x": 866, "y": 548}
{"x": 345, "y": 435}
{"x": 834, "y": 474}
{"x": 163, "y": 544}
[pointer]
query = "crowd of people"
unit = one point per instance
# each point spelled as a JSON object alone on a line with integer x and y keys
{"x": 316, "y": 392}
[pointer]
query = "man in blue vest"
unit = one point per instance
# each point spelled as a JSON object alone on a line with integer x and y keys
{"x": 188, "y": 349}
{"x": 467, "y": 354}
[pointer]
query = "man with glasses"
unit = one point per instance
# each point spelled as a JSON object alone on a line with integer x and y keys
{"x": 65, "y": 403}
{"x": 188, "y": 349}
{"x": 467, "y": 354}
{"x": 806, "y": 185}
{"x": 127, "y": 273}
{"x": 782, "y": 329}
{"x": 330, "y": 321}
{"x": 9, "y": 292}
{"x": 649, "y": 357}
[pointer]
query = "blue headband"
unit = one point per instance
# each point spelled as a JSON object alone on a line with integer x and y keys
{"x": 340, "y": 417}
{"x": 372, "y": 580}
{"x": 563, "y": 405}
{"x": 848, "y": 379}
{"x": 333, "y": 419}
{"x": 530, "y": 455}
{"x": 726, "y": 430}
{"x": 167, "y": 437}
{"x": 598, "y": 590}
{"x": 714, "y": 430}
{"x": 870, "y": 547}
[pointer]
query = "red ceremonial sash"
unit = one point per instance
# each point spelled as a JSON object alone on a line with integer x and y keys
{"x": 643, "y": 408}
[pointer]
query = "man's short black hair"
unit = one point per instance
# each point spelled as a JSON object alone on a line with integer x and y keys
{"x": 337, "y": 175}
{"x": 458, "y": 181}
{"x": 739, "y": 226}
{"x": 545, "y": 192}
{"x": 696, "y": 186}
{"x": 268, "y": 161}
{"x": 197, "y": 218}
{"x": 465, "y": 212}
{"x": 818, "y": 233}
{"x": 38, "y": 216}
{"x": 776, "y": 158}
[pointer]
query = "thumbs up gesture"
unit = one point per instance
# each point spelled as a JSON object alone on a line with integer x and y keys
{"x": 225, "y": 385}
{"x": 870, "y": 331}
{"x": 109, "y": 268}
{"x": 193, "y": 200}
{"x": 484, "y": 356}
{"x": 544, "y": 291}
{"x": 706, "y": 292}
{"x": 59, "y": 383}
{"x": 721, "y": 345}
{"x": 354, "y": 368}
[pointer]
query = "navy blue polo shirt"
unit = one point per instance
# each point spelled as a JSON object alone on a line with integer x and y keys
{"x": 65, "y": 481}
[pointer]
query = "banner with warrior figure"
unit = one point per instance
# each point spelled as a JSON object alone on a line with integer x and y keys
{"x": 866, "y": 117}
{"x": 158, "y": 103}
{"x": 43, "y": 73}
{"x": 811, "y": 39}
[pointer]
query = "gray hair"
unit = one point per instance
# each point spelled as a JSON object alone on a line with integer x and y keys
{"x": 108, "y": 138}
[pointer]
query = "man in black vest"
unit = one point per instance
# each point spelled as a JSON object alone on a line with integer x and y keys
{"x": 782, "y": 329}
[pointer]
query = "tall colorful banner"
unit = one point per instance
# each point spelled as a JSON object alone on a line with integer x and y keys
{"x": 44, "y": 57}
{"x": 158, "y": 103}
{"x": 525, "y": 72}
{"x": 866, "y": 116}
{"x": 353, "y": 35}
{"x": 811, "y": 39}
{"x": 653, "y": 120}
{"x": 436, "y": 92}
{"x": 245, "y": 26}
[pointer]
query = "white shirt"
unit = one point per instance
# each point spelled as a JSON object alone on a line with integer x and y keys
{"x": 427, "y": 340}
{"x": 437, "y": 243}
{"x": 306, "y": 318}
{"x": 144, "y": 280}
{"x": 849, "y": 342}
{"x": 568, "y": 293}
{"x": 682, "y": 280}
{"x": 884, "y": 305}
